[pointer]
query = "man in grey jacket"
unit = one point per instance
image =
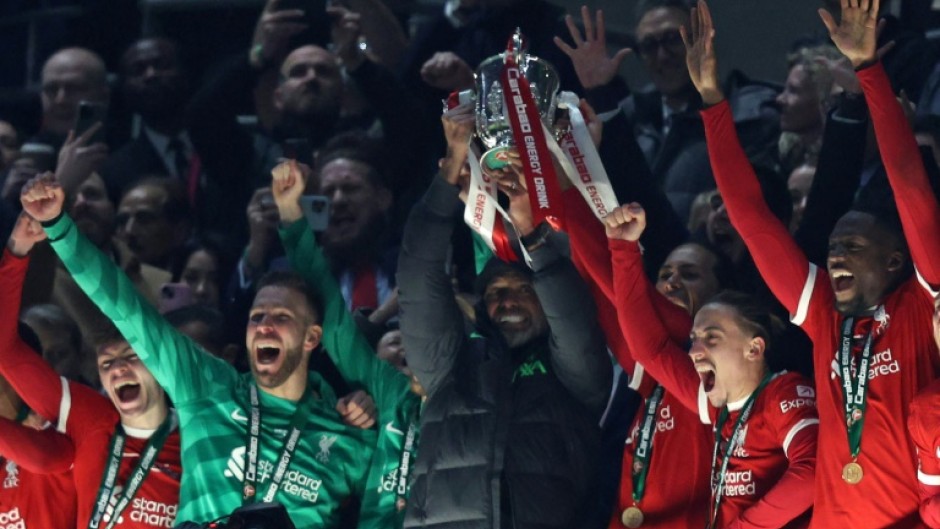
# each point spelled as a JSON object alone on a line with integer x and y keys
{"x": 509, "y": 429}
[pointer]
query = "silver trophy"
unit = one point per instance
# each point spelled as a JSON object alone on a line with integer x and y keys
{"x": 493, "y": 126}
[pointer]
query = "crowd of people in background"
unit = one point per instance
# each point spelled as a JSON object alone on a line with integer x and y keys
{"x": 250, "y": 296}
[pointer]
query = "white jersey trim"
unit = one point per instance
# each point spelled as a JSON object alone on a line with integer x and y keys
{"x": 703, "y": 405}
{"x": 923, "y": 282}
{"x": 795, "y": 430}
{"x": 928, "y": 479}
{"x": 65, "y": 406}
{"x": 636, "y": 378}
{"x": 802, "y": 308}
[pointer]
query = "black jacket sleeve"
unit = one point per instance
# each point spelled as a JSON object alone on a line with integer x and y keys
{"x": 578, "y": 349}
{"x": 430, "y": 320}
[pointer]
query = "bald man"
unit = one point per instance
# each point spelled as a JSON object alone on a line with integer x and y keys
{"x": 70, "y": 75}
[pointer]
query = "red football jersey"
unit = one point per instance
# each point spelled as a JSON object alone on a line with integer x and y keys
{"x": 887, "y": 495}
{"x": 681, "y": 447}
{"x": 924, "y": 427}
{"x": 783, "y": 412}
{"x": 35, "y": 501}
{"x": 87, "y": 418}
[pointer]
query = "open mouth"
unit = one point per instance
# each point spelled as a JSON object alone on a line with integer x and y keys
{"x": 842, "y": 280}
{"x": 127, "y": 391}
{"x": 707, "y": 374}
{"x": 267, "y": 355}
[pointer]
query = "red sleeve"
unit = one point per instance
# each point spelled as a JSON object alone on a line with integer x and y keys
{"x": 917, "y": 206}
{"x": 781, "y": 262}
{"x": 39, "y": 451}
{"x": 923, "y": 424}
{"x": 31, "y": 377}
{"x": 645, "y": 332}
{"x": 796, "y": 423}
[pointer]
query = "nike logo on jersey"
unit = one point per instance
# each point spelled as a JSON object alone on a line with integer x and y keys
{"x": 239, "y": 416}
{"x": 390, "y": 427}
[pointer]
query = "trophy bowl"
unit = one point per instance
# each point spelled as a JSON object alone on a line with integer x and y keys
{"x": 492, "y": 123}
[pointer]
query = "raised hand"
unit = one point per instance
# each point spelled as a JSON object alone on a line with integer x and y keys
{"x": 589, "y": 54}
{"x": 357, "y": 409}
{"x": 700, "y": 54}
{"x": 446, "y": 71}
{"x": 287, "y": 185}
{"x": 78, "y": 159}
{"x": 626, "y": 222}
{"x": 856, "y": 33}
{"x": 458, "y": 123}
{"x": 272, "y": 35}
{"x": 345, "y": 32}
{"x": 26, "y": 233}
{"x": 42, "y": 197}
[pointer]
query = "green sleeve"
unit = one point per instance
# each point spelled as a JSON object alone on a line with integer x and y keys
{"x": 184, "y": 370}
{"x": 343, "y": 341}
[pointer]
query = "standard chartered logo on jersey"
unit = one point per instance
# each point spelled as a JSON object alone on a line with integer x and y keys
{"x": 296, "y": 483}
{"x": 12, "y": 519}
{"x": 141, "y": 510}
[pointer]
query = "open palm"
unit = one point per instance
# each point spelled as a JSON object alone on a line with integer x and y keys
{"x": 856, "y": 33}
{"x": 700, "y": 54}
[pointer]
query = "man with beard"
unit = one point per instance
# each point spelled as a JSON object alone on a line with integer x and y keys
{"x": 869, "y": 318}
{"x": 273, "y": 434}
{"x": 155, "y": 88}
{"x": 513, "y": 408}
{"x": 302, "y": 99}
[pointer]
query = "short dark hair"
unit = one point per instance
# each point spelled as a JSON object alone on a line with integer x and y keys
{"x": 753, "y": 316}
{"x": 495, "y": 268}
{"x": 357, "y": 146}
{"x": 294, "y": 281}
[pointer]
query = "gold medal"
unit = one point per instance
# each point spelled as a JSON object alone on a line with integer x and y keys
{"x": 632, "y": 517}
{"x": 852, "y": 473}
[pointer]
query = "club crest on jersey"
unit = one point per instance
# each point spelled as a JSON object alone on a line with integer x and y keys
{"x": 326, "y": 442}
{"x": 882, "y": 320}
{"x": 13, "y": 476}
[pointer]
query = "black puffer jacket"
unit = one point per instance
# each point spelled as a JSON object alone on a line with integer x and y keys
{"x": 508, "y": 436}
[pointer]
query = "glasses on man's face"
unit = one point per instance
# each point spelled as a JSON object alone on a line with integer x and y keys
{"x": 669, "y": 40}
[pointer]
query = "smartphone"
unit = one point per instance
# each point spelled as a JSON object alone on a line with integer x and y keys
{"x": 89, "y": 113}
{"x": 317, "y": 211}
{"x": 174, "y": 296}
{"x": 299, "y": 149}
{"x": 318, "y": 23}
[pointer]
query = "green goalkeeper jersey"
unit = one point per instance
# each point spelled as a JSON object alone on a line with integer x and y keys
{"x": 398, "y": 407}
{"x": 212, "y": 399}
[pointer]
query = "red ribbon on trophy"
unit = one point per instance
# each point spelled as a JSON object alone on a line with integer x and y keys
{"x": 529, "y": 136}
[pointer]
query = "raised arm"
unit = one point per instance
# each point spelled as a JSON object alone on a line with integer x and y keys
{"x": 643, "y": 329}
{"x": 780, "y": 261}
{"x": 344, "y": 343}
{"x": 178, "y": 364}
{"x": 38, "y": 451}
{"x": 855, "y": 35}
{"x": 431, "y": 322}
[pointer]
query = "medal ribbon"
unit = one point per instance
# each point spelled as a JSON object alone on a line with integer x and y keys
{"x": 718, "y": 488}
{"x": 529, "y": 136}
{"x": 854, "y": 389}
{"x": 144, "y": 464}
{"x": 644, "y": 447}
{"x": 297, "y": 423}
